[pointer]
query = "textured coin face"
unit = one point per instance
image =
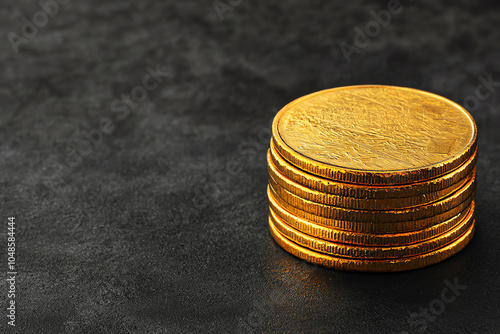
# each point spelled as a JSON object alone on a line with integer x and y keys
{"x": 375, "y": 134}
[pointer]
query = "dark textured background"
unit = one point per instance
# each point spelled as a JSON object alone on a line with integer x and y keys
{"x": 151, "y": 232}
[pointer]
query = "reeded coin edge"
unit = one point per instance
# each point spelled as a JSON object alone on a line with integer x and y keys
{"x": 360, "y": 203}
{"x": 319, "y": 183}
{"x": 379, "y": 216}
{"x": 364, "y": 238}
{"x": 391, "y": 265}
{"x": 371, "y": 252}
{"x": 369, "y": 227}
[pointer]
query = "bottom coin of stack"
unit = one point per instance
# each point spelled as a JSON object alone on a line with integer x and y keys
{"x": 350, "y": 236}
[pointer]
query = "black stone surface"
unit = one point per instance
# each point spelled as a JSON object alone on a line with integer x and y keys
{"x": 161, "y": 226}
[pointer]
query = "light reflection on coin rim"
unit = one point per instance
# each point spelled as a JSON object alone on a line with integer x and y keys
{"x": 389, "y": 265}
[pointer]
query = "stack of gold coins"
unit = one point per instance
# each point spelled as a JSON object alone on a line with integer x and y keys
{"x": 372, "y": 178}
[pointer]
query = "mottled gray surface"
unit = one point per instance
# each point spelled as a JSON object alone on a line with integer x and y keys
{"x": 122, "y": 243}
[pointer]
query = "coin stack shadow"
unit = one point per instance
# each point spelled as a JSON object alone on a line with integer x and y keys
{"x": 379, "y": 225}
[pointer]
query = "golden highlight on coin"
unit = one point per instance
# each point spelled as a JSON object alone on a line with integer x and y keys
{"x": 375, "y": 216}
{"x": 387, "y": 265}
{"x": 361, "y": 203}
{"x": 375, "y": 134}
{"x": 370, "y": 227}
{"x": 370, "y": 252}
{"x": 366, "y": 238}
{"x": 372, "y": 178}
{"x": 447, "y": 182}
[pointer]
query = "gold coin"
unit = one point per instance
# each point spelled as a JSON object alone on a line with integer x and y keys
{"x": 375, "y": 134}
{"x": 438, "y": 186}
{"x": 388, "y": 265}
{"x": 375, "y": 216}
{"x": 358, "y": 203}
{"x": 370, "y": 227}
{"x": 366, "y": 239}
{"x": 370, "y": 252}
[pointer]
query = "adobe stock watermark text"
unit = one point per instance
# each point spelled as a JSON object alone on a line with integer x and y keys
{"x": 11, "y": 271}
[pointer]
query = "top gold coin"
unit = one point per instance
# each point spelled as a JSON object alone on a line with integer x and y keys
{"x": 375, "y": 134}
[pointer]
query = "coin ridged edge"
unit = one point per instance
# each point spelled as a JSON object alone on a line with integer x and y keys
{"x": 391, "y": 265}
{"x": 367, "y": 239}
{"x": 378, "y": 216}
{"x": 369, "y": 227}
{"x": 360, "y": 203}
{"x": 371, "y": 192}
{"x": 371, "y": 252}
